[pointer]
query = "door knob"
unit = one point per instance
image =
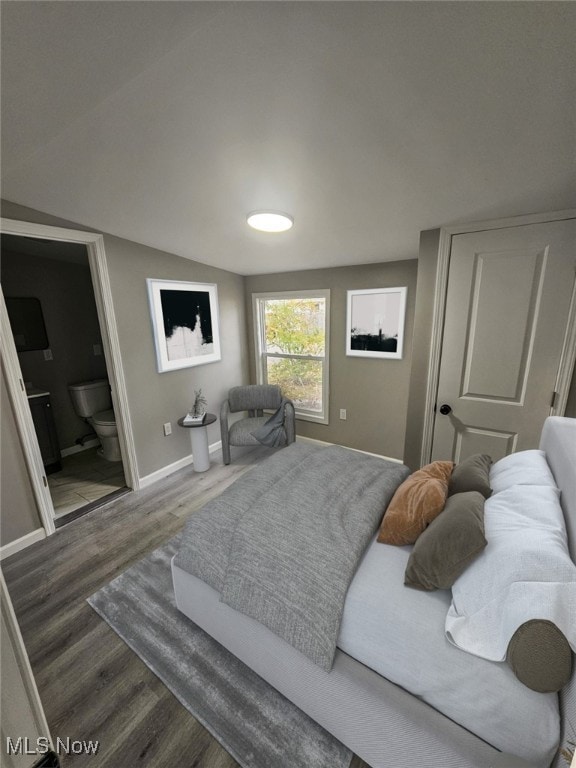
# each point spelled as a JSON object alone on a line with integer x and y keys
{"x": 445, "y": 409}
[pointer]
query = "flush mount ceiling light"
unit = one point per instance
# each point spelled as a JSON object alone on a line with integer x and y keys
{"x": 270, "y": 221}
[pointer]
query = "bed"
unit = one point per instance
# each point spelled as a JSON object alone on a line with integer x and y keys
{"x": 397, "y": 691}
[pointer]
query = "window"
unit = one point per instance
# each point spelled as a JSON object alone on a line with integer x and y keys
{"x": 292, "y": 348}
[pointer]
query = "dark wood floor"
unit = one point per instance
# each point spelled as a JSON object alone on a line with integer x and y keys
{"x": 92, "y": 685}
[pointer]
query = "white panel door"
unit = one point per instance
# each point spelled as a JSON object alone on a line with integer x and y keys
{"x": 507, "y": 309}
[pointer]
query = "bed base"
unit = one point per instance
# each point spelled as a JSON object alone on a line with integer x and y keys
{"x": 379, "y": 721}
{"x": 382, "y": 723}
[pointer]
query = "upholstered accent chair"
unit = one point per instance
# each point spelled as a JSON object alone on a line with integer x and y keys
{"x": 253, "y": 398}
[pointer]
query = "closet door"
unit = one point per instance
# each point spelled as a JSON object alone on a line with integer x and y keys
{"x": 507, "y": 308}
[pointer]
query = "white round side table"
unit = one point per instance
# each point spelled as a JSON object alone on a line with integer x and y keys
{"x": 199, "y": 438}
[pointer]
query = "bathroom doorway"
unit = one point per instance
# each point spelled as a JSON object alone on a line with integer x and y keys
{"x": 59, "y": 279}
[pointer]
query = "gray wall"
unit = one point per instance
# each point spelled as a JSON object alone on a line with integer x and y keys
{"x": 18, "y": 506}
{"x": 67, "y": 298}
{"x": 158, "y": 398}
{"x": 427, "y": 267}
{"x": 374, "y": 392}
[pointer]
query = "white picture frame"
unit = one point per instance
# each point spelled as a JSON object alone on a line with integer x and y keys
{"x": 184, "y": 322}
{"x": 375, "y": 323}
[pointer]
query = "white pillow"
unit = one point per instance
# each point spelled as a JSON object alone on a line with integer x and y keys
{"x": 523, "y": 468}
{"x": 525, "y": 572}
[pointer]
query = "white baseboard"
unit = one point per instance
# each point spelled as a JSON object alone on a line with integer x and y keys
{"x": 24, "y": 541}
{"x": 163, "y": 472}
{"x": 300, "y": 438}
{"x": 79, "y": 448}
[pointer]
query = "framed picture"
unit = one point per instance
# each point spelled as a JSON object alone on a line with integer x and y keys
{"x": 375, "y": 322}
{"x": 185, "y": 323}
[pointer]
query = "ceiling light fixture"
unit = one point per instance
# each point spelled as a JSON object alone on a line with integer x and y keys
{"x": 270, "y": 221}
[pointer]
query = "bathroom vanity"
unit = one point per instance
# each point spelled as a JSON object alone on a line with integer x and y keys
{"x": 43, "y": 418}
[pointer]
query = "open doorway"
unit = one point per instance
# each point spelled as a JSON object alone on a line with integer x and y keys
{"x": 54, "y": 320}
{"x": 62, "y": 337}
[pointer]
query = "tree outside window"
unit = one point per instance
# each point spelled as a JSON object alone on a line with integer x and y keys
{"x": 292, "y": 348}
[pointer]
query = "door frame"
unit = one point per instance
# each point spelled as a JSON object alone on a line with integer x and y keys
{"x": 19, "y": 676}
{"x": 568, "y": 355}
{"x": 94, "y": 243}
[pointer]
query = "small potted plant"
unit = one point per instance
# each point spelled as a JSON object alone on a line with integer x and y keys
{"x": 197, "y": 413}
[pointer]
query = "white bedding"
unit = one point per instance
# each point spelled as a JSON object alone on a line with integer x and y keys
{"x": 400, "y": 633}
{"x": 524, "y": 573}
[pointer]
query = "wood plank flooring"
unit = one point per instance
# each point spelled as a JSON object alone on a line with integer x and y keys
{"x": 92, "y": 685}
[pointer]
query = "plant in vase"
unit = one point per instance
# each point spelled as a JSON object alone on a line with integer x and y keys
{"x": 198, "y": 411}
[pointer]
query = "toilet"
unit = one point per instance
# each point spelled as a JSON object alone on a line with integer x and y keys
{"x": 93, "y": 403}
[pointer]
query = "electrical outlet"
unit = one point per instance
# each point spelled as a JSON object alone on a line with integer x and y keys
{"x": 167, "y": 429}
{"x": 48, "y": 354}
{"x": 97, "y": 348}
{"x": 343, "y": 414}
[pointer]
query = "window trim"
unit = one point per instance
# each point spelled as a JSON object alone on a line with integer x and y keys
{"x": 258, "y": 300}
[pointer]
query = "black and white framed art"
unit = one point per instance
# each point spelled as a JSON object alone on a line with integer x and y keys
{"x": 185, "y": 323}
{"x": 375, "y": 322}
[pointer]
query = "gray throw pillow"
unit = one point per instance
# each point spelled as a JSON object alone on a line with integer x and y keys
{"x": 472, "y": 474}
{"x": 540, "y": 656}
{"x": 451, "y": 541}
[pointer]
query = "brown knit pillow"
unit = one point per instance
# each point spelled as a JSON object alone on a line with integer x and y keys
{"x": 419, "y": 499}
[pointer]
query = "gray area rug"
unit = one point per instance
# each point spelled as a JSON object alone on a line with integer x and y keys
{"x": 258, "y": 726}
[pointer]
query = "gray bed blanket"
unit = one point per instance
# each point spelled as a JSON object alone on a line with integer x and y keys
{"x": 283, "y": 543}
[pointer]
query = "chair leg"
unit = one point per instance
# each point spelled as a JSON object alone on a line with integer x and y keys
{"x": 224, "y": 435}
{"x": 290, "y": 423}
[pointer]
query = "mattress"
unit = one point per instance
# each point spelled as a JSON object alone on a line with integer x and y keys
{"x": 377, "y": 719}
{"x": 399, "y": 633}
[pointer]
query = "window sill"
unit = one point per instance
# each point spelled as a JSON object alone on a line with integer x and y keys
{"x": 314, "y": 419}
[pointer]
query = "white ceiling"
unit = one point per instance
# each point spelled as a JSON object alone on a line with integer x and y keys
{"x": 167, "y": 122}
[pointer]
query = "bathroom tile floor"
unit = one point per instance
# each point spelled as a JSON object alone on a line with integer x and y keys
{"x": 84, "y": 478}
